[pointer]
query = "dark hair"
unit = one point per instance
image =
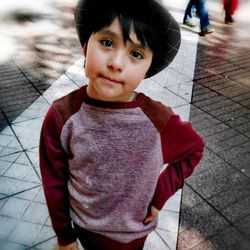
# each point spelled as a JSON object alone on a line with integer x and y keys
{"x": 151, "y": 22}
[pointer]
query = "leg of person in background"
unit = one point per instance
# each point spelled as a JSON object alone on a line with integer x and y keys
{"x": 228, "y": 17}
{"x": 202, "y": 12}
{"x": 230, "y": 7}
{"x": 187, "y": 19}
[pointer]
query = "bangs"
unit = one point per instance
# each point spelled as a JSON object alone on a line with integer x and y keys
{"x": 144, "y": 32}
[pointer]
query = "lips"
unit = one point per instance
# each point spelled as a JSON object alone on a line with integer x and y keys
{"x": 110, "y": 80}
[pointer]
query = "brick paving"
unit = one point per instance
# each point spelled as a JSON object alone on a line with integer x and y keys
{"x": 215, "y": 205}
{"x": 29, "y": 70}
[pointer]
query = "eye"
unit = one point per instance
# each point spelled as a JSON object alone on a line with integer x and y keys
{"x": 107, "y": 43}
{"x": 137, "y": 55}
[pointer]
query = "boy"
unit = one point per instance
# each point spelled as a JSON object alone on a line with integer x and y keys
{"x": 103, "y": 146}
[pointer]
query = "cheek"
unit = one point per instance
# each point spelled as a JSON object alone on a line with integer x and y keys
{"x": 134, "y": 78}
{"x": 93, "y": 62}
{"x": 139, "y": 72}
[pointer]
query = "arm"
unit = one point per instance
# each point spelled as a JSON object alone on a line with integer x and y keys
{"x": 170, "y": 180}
{"x": 72, "y": 246}
{"x": 182, "y": 150}
{"x": 54, "y": 172}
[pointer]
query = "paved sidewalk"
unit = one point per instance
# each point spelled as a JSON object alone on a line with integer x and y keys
{"x": 214, "y": 83}
{"x": 215, "y": 205}
{"x": 38, "y": 43}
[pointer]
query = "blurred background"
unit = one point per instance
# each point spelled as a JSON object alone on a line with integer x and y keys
{"x": 32, "y": 33}
{"x": 38, "y": 43}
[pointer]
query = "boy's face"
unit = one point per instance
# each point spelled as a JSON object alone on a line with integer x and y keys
{"x": 115, "y": 68}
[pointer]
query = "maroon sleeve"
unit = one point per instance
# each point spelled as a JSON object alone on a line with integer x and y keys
{"x": 54, "y": 172}
{"x": 182, "y": 151}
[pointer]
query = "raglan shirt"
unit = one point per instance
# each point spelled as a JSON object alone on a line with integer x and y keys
{"x": 101, "y": 163}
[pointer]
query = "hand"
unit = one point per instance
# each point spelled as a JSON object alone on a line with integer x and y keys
{"x": 153, "y": 212}
{"x": 72, "y": 246}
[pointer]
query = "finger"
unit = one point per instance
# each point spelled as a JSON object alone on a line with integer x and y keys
{"x": 148, "y": 219}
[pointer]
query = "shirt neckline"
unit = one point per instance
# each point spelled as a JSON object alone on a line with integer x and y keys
{"x": 113, "y": 105}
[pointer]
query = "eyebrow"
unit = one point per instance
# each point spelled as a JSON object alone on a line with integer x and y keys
{"x": 106, "y": 31}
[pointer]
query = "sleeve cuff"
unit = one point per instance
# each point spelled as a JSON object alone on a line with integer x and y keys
{"x": 66, "y": 238}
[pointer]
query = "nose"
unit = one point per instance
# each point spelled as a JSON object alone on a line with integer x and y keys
{"x": 116, "y": 61}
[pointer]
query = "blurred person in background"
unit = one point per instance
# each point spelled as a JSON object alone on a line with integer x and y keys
{"x": 200, "y": 9}
{"x": 230, "y": 6}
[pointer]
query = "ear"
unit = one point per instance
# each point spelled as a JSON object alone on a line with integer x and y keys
{"x": 84, "y": 49}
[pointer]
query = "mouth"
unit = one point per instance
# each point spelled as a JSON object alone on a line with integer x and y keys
{"x": 109, "y": 80}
